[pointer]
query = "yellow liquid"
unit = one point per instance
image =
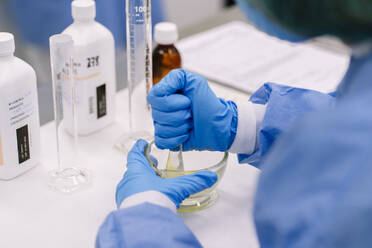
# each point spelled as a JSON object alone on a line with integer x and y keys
{"x": 172, "y": 169}
{"x": 169, "y": 173}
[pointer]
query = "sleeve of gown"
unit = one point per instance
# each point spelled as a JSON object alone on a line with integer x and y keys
{"x": 315, "y": 186}
{"x": 145, "y": 225}
{"x": 284, "y": 105}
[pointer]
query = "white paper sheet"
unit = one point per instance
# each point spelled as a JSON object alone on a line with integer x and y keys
{"x": 238, "y": 55}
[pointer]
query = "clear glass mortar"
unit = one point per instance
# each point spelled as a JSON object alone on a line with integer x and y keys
{"x": 194, "y": 161}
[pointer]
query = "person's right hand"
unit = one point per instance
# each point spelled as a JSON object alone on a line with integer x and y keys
{"x": 186, "y": 111}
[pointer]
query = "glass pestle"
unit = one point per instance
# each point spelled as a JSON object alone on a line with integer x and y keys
{"x": 175, "y": 161}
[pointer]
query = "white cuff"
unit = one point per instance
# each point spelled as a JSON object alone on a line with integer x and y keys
{"x": 260, "y": 111}
{"x": 153, "y": 197}
{"x": 250, "y": 117}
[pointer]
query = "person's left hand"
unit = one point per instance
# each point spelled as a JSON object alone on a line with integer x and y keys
{"x": 140, "y": 177}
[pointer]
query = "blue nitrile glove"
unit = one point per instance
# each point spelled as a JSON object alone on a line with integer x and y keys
{"x": 186, "y": 111}
{"x": 140, "y": 177}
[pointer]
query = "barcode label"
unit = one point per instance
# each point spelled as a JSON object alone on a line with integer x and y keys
{"x": 101, "y": 101}
{"x": 23, "y": 144}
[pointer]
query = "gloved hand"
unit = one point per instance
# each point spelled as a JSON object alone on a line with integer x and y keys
{"x": 186, "y": 111}
{"x": 140, "y": 177}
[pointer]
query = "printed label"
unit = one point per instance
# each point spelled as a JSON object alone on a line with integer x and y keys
{"x": 92, "y": 62}
{"x": 23, "y": 144}
{"x": 20, "y": 109}
{"x": 88, "y": 78}
{"x": 1, "y": 154}
{"x": 138, "y": 11}
{"x": 101, "y": 101}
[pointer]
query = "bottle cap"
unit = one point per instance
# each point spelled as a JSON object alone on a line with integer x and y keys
{"x": 83, "y": 10}
{"x": 166, "y": 33}
{"x": 7, "y": 46}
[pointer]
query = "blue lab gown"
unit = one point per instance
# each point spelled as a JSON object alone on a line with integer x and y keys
{"x": 315, "y": 189}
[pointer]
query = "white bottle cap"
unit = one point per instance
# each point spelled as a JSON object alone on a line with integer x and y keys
{"x": 166, "y": 33}
{"x": 7, "y": 46}
{"x": 83, "y": 10}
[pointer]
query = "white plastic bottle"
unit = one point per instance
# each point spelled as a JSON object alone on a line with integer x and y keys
{"x": 94, "y": 68}
{"x": 19, "y": 113}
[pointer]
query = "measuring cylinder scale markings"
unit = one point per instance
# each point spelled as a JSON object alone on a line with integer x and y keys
{"x": 139, "y": 58}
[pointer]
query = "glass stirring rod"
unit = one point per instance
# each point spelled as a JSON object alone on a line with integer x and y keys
{"x": 175, "y": 161}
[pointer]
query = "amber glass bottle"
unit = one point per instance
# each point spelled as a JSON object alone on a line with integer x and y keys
{"x": 165, "y": 56}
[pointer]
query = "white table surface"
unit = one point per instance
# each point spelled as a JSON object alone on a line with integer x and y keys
{"x": 31, "y": 215}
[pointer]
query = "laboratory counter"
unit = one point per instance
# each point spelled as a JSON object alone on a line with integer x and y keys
{"x": 34, "y": 216}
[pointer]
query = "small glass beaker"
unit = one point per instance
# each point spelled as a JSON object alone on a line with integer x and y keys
{"x": 193, "y": 161}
